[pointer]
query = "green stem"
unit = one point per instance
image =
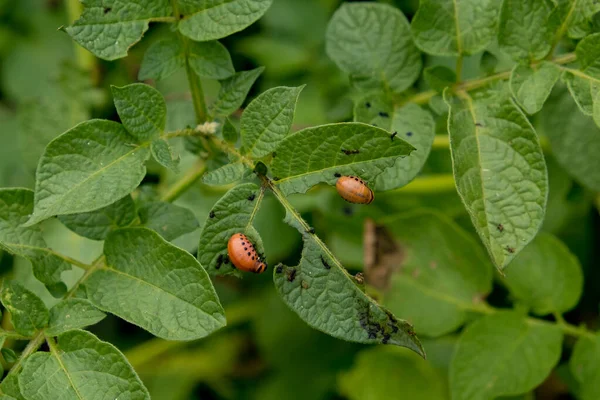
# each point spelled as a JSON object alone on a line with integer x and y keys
{"x": 424, "y": 97}
{"x": 459, "y": 67}
{"x": 31, "y": 347}
{"x": 72, "y": 261}
{"x": 84, "y": 59}
{"x": 428, "y": 184}
{"x": 185, "y": 182}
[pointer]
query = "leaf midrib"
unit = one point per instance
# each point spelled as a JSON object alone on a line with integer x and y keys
{"x": 93, "y": 175}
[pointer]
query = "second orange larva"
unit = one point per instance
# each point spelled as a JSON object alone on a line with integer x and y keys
{"x": 243, "y": 255}
{"x": 354, "y": 190}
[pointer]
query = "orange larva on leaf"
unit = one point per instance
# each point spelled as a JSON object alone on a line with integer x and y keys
{"x": 354, "y": 190}
{"x": 243, "y": 255}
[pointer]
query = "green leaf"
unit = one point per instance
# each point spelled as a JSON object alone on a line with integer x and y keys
{"x": 233, "y": 92}
{"x": 96, "y": 225}
{"x": 411, "y": 123}
{"x": 229, "y": 132}
{"x": 10, "y": 387}
{"x": 575, "y": 17}
{"x": 326, "y": 297}
{"x": 372, "y": 43}
{"x": 499, "y": 170}
{"x": 455, "y": 27}
{"x": 233, "y": 213}
{"x": 546, "y": 276}
{"x": 439, "y": 77}
{"x": 72, "y": 314}
{"x": 435, "y": 287}
{"x": 585, "y": 366}
{"x": 155, "y": 285}
{"x": 98, "y": 164}
{"x": 108, "y": 28}
{"x": 142, "y": 110}
{"x": 169, "y": 220}
{"x": 400, "y": 373}
{"x": 9, "y": 355}
{"x": 582, "y": 89}
{"x": 574, "y": 138}
{"x": 314, "y": 155}
{"x": 216, "y": 19}
{"x": 531, "y": 86}
{"x": 28, "y": 312}
{"x": 268, "y": 119}
{"x": 502, "y": 355}
{"x": 226, "y": 174}
{"x": 210, "y": 60}
{"x": 162, "y": 59}
{"x": 162, "y": 153}
{"x": 80, "y": 366}
{"x": 16, "y": 206}
{"x": 526, "y": 29}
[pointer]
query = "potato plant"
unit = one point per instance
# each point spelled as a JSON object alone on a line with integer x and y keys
{"x": 475, "y": 124}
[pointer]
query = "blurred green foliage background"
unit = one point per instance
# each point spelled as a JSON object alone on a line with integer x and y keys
{"x": 265, "y": 352}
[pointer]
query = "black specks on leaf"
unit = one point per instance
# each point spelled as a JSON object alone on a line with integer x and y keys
{"x": 348, "y": 211}
{"x": 251, "y": 197}
{"x": 500, "y": 227}
{"x": 511, "y": 250}
{"x": 393, "y": 135}
{"x": 325, "y": 264}
{"x": 479, "y": 124}
{"x": 275, "y": 178}
{"x": 107, "y": 10}
{"x": 211, "y": 214}
{"x": 384, "y": 114}
{"x": 274, "y": 154}
{"x": 409, "y": 134}
{"x": 368, "y": 105}
{"x": 219, "y": 261}
{"x": 311, "y": 231}
{"x": 279, "y": 269}
{"x": 337, "y": 175}
{"x": 291, "y": 275}
{"x": 350, "y": 152}
{"x": 226, "y": 261}
{"x": 386, "y": 338}
{"x": 374, "y": 124}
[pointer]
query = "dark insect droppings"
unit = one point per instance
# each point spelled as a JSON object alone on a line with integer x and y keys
{"x": 393, "y": 135}
{"x": 500, "y": 227}
{"x": 368, "y": 105}
{"x": 212, "y": 214}
{"x": 275, "y": 178}
{"x": 511, "y": 250}
{"x": 479, "y": 124}
{"x": 350, "y": 152}
{"x": 251, "y": 197}
{"x": 337, "y": 175}
{"x": 325, "y": 264}
{"x": 291, "y": 275}
{"x": 219, "y": 261}
{"x": 386, "y": 338}
{"x": 409, "y": 134}
{"x": 107, "y": 10}
{"x": 311, "y": 230}
{"x": 384, "y": 114}
{"x": 279, "y": 269}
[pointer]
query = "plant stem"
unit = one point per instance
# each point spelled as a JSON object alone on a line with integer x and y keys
{"x": 428, "y": 184}
{"x": 185, "y": 182}
{"x": 72, "y": 261}
{"x": 31, "y": 347}
{"x": 84, "y": 59}
{"x": 459, "y": 67}
{"x": 424, "y": 97}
